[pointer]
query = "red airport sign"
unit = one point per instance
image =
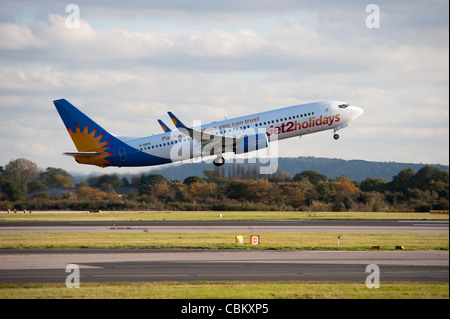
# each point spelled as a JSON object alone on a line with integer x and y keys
{"x": 254, "y": 239}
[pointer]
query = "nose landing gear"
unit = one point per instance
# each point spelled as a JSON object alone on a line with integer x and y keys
{"x": 335, "y": 135}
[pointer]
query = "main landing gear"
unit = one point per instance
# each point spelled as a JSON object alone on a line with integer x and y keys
{"x": 219, "y": 161}
{"x": 336, "y": 135}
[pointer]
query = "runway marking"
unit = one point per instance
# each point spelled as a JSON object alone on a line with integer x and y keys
{"x": 140, "y": 275}
{"x": 428, "y": 223}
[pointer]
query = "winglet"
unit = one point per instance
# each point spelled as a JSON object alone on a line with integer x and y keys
{"x": 164, "y": 126}
{"x": 177, "y": 122}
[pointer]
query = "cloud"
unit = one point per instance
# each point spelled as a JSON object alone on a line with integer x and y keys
{"x": 127, "y": 65}
{"x": 298, "y": 47}
{"x": 16, "y": 37}
{"x": 37, "y": 149}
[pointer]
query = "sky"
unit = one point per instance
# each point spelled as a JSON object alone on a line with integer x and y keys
{"x": 129, "y": 62}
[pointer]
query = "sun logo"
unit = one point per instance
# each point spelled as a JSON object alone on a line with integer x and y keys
{"x": 88, "y": 142}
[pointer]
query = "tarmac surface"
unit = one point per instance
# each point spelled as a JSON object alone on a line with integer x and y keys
{"x": 98, "y": 265}
{"x": 122, "y": 265}
{"x": 233, "y": 226}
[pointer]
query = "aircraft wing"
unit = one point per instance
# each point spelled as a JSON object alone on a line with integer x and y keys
{"x": 206, "y": 139}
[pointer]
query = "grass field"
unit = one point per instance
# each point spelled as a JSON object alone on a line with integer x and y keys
{"x": 223, "y": 290}
{"x": 228, "y": 290}
{"x": 207, "y": 216}
{"x": 226, "y": 240}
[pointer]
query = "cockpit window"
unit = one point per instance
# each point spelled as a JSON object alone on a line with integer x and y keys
{"x": 343, "y": 106}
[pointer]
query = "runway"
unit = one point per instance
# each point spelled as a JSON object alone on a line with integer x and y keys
{"x": 49, "y": 266}
{"x": 121, "y": 265}
{"x": 416, "y": 226}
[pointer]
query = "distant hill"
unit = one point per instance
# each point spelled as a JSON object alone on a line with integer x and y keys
{"x": 357, "y": 170}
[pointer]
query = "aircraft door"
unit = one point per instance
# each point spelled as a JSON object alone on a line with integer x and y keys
{"x": 326, "y": 114}
{"x": 122, "y": 154}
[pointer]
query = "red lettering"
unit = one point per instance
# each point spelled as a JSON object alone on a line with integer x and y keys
{"x": 319, "y": 121}
{"x": 290, "y": 126}
{"x": 332, "y": 120}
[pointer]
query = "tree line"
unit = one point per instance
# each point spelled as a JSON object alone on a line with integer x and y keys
{"x": 23, "y": 185}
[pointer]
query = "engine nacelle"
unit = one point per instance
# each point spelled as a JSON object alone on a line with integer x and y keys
{"x": 251, "y": 143}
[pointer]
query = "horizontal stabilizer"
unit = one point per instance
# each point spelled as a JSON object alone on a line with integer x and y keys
{"x": 83, "y": 154}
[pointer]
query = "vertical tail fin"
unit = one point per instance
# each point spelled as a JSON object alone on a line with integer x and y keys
{"x": 87, "y": 135}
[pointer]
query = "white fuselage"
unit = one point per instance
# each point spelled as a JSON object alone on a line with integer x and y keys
{"x": 276, "y": 124}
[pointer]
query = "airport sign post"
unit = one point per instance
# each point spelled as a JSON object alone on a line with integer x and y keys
{"x": 254, "y": 239}
{"x": 338, "y": 237}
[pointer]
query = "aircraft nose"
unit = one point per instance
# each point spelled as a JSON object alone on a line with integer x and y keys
{"x": 357, "y": 111}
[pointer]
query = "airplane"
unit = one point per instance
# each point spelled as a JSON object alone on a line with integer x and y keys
{"x": 96, "y": 146}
